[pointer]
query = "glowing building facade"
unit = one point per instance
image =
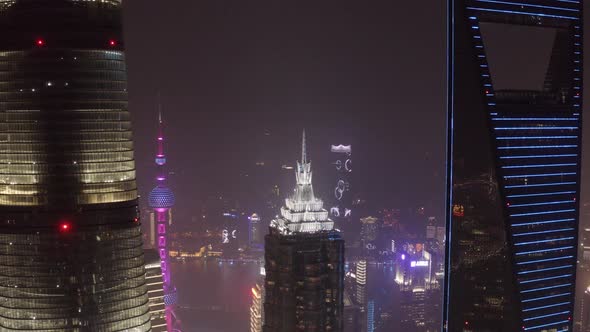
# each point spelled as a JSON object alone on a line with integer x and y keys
{"x": 369, "y": 235}
{"x": 70, "y": 241}
{"x": 161, "y": 199}
{"x": 304, "y": 263}
{"x": 255, "y": 235}
{"x": 155, "y": 282}
{"x": 515, "y": 103}
{"x": 341, "y": 211}
{"x": 257, "y": 308}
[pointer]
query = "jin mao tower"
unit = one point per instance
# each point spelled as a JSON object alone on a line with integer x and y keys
{"x": 304, "y": 263}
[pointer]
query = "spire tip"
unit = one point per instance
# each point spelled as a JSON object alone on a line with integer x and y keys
{"x": 303, "y": 149}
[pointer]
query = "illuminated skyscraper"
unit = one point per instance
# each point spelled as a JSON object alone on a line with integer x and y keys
{"x": 515, "y": 86}
{"x": 155, "y": 282}
{"x": 161, "y": 199}
{"x": 419, "y": 291}
{"x": 361, "y": 296}
{"x": 304, "y": 263}
{"x": 368, "y": 234}
{"x": 255, "y": 235}
{"x": 70, "y": 240}
{"x": 257, "y": 308}
{"x": 341, "y": 211}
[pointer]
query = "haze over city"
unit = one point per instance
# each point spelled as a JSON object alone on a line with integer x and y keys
{"x": 216, "y": 166}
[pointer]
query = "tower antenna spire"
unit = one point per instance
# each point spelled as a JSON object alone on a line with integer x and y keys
{"x": 303, "y": 149}
{"x": 159, "y": 108}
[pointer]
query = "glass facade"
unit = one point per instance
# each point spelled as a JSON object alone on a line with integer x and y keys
{"x": 304, "y": 282}
{"x": 514, "y": 175}
{"x": 72, "y": 257}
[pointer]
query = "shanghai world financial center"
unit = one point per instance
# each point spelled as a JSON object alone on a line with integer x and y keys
{"x": 515, "y": 104}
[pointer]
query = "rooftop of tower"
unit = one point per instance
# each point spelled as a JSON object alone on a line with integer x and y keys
{"x": 4, "y": 4}
{"x": 303, "y": 212}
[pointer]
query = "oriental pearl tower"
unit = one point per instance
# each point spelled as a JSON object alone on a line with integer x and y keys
{"x": 161, "y": 199}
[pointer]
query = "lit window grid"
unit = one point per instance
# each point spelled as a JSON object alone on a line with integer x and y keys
{"x": 97, "y": 136}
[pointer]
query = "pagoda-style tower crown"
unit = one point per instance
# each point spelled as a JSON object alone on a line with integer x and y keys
{"x": 303, "y": 212}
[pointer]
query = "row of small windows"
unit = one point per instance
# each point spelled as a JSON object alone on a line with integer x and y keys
{"x": 21, "y": 67}
{"x": 74, "y": 167}
{"x": 79, "y": 157}
{"x": 103, "y": 177}
{"x": 68, "y": 104}
{"x": 74, "y": 147}
{"x": 81, "y": 199}
{"x": 71, "y": 54}
{"x": 120, "y": 238}
{"x": 65, "y": 96}
{"x": 96, "y": 75}
{"x": 75, "y": 84}
{"x": 78, "y": 115}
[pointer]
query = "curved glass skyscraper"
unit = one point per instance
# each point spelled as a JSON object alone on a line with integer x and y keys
{"x": 71, "y": 255}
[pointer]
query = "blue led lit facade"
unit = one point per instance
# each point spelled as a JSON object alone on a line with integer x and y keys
{"x": 514, "y": 174}
{"x": 161, "y": 198}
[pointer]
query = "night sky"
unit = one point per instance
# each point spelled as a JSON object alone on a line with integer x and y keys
{"x": 367, "y": 73}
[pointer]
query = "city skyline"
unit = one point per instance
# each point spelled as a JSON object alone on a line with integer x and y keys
{"x": 156, "y": 166}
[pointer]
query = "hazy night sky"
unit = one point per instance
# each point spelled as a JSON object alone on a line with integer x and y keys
{"x": 371, "y": 73}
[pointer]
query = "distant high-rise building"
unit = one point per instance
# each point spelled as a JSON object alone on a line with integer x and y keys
{"x": 255, "y": 230}
{"x": 152, "y": 230}
{"x": 361, "y": 295}
{"x": 419, "y": 290}
{"x": 351, "y": 314}
{"x": 361, "y": 284}
{"x": 257, "y": 308}
{"x": 441, "y": 234}
{"x": 368, "y": 234}
{"x": 515, "y": 103}
{"x": 155, "y": 284}
{"x": 70, "y": 239}
{"x": 371, "y": 316}
{"x": 431, "y": 228}
{"x": 161, "y": 199}
{"x": 341, "y": 211}
{"x": 585, "y": 312}
{"x": 304, "y": 263}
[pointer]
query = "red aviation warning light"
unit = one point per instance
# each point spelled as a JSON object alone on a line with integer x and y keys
{"x": 65, "y": 227}
{"x": 112, "y": 42}
{"x": 40, "y": 42}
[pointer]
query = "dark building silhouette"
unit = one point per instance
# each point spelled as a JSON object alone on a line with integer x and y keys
{"x": 515, "y": 84}
{"x": 70, "y": 243}
{"x": 304, "y": 264}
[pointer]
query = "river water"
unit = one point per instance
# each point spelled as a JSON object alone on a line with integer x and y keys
{"x": 216, "y": 297}
{"x": 213, "y": 296}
